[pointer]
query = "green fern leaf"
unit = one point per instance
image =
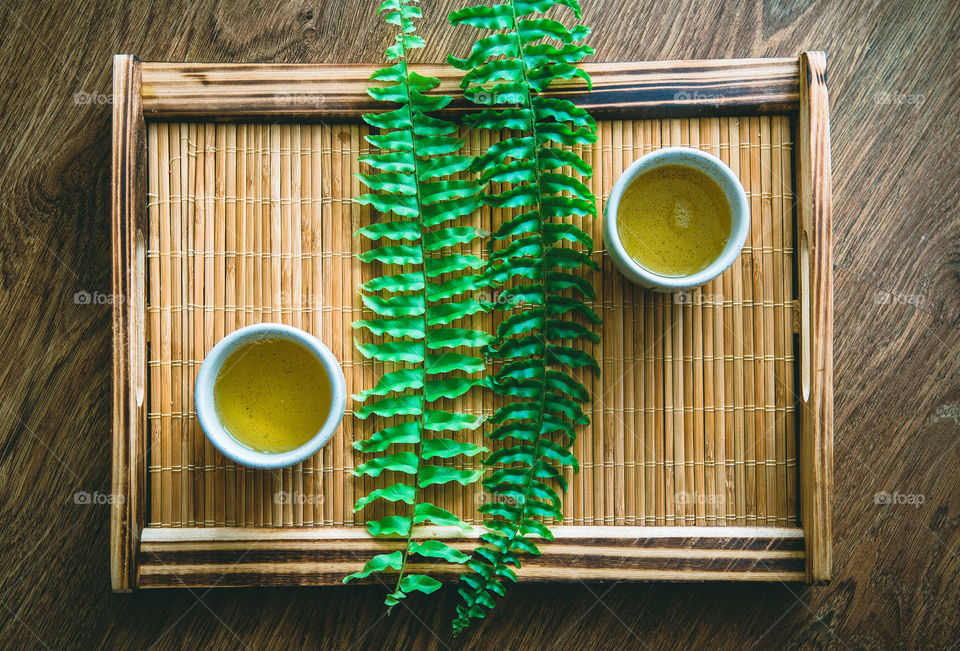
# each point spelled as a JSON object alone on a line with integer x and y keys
{"x": 534, "y": 259}
{"x": 419, "y": 582}
{"x": 447, "y": 448}
{"x": 430, "y": 475}
{"x": 405, "y": 282}
{"x": 393, "y": 561}
{"x": 392, "y": 493}
{"x": 438, "y": 549}
{"x": 426, "y": 512}
{"x": 419, "y": 203}
{"x": 407, "y": 432}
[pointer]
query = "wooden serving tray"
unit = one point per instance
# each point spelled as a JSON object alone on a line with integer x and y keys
{"x": 710, "y": 451}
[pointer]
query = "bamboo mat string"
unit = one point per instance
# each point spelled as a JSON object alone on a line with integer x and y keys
{"x": 693, "y": 420}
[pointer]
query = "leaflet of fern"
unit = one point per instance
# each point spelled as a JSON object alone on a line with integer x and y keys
{"x": 533, "y": 257}
{"x": 415, "y": 311}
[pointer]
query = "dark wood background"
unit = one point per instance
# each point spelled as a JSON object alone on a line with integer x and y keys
{"x": 894, "y": 77}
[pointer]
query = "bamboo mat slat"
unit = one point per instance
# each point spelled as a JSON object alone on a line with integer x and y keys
{"x": 693, "y": 418}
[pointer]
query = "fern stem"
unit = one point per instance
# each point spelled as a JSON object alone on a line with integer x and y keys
{"x": 543, "y": 262}
{"x": 411, "y": 179}
{"x": 539, "y": 195}
{"x": 528, "y": 475}
{"x": 423, "y": 398}
{"x": 501, "y": 554}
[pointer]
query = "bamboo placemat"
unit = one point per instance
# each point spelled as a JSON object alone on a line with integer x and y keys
{"x": 693, "y": 418}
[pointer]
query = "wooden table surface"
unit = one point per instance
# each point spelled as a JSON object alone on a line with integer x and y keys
{"x": 894, "y": 73}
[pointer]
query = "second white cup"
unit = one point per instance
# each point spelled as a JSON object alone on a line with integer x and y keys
{"x": 733, "y": 191}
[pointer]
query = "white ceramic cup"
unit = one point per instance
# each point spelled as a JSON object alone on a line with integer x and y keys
{"x": 210, "y": 421}
{"x": 713, "y": 167}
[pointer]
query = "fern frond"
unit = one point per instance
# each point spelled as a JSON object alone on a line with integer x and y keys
{"x": 533, "y": 256}
{"x": 414, "y": 311}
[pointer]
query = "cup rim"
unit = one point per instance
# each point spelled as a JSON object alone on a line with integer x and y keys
{"x": 210, "y": 422}
{"x": 733, "y": 191}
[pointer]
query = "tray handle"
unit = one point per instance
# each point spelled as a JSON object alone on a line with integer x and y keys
{"x": 128, "y": 224}
{"x": 816, "y": 316}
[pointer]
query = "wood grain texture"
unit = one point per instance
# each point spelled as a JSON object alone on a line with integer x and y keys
{"x": 896, "y": 571}
{"x": 129, "y": 225}
{"x": 815, "y": 269}
{"x": 275, "y": 92}
{"x": 230, "y": 557}
{"x": 600, "y": 484}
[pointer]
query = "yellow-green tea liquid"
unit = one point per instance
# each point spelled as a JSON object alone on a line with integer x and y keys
{"x": 272, "y": 395}
{"x": 674, "y": 220}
